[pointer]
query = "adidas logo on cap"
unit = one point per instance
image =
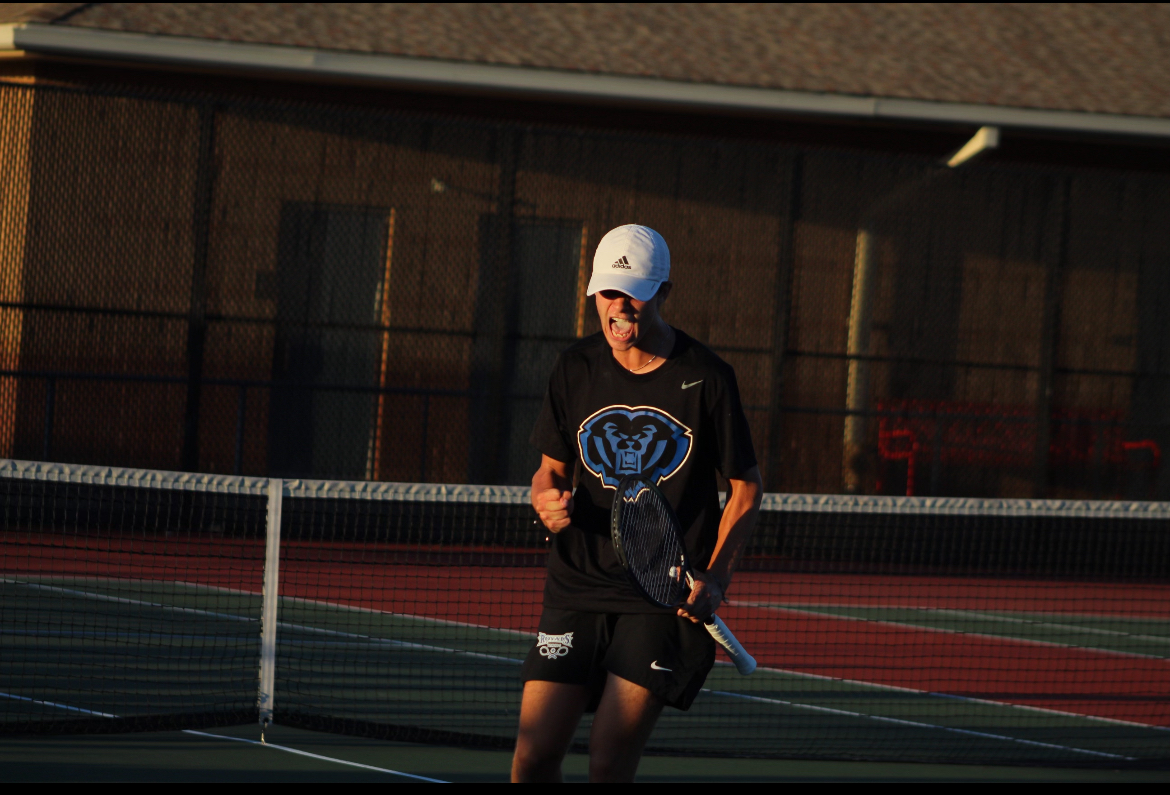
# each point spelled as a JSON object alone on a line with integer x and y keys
{"x": 630, "y": 259}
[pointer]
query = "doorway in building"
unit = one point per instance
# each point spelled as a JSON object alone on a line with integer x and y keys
{"x": 332, "y": 273}
{"x": 545, "y": 314}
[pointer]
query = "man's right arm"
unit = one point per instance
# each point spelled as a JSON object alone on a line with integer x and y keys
{"x": 552, "y": 494}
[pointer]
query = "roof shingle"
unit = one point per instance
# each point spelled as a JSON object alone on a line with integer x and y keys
{"x": 1106, "y": 58}
{"x": 35, "y": 12}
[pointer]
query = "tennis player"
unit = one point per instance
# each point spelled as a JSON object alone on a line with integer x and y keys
{"x": 638, "y": 397}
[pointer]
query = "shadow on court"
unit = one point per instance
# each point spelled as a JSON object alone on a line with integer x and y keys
{"x": 179, "y": 757}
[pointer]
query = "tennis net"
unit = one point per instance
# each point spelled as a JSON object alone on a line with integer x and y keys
{"x": 946, "y": 630}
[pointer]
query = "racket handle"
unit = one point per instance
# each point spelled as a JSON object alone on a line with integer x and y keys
{"x": 744, "y": 662}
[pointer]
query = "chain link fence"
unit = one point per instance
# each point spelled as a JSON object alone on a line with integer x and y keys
{"x": 267, "y": 288}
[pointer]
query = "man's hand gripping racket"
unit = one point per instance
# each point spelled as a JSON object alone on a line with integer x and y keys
{"x": 647, "y": 538}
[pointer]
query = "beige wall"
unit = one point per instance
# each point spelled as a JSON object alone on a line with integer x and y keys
{"x": 108, "y": 182}
{"x": 16, "y": 108}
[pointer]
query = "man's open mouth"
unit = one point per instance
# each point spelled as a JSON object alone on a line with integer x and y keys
{"x": 621, "y": 329}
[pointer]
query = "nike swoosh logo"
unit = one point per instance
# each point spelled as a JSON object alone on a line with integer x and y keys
{"x": 688, "y": 386}
{"x": 654, "y": 666}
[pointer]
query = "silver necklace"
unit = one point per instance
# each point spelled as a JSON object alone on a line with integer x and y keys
{"x": 655, "y": 356}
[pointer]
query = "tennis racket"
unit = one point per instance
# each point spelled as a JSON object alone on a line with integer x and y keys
{"x": 647, "y": 538}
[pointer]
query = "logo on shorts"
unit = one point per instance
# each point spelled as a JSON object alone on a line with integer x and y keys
{"x": 554, "y": 646}
{"x": 633, "y": 440}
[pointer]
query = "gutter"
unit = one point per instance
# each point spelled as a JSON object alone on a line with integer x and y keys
{"x": 534, "y": 83}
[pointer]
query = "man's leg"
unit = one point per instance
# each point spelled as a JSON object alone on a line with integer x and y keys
{"x": 549, "y": 714}
{"x": 621, "y": 727}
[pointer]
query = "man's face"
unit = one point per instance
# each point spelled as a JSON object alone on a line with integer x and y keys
{"x": 625, "y": 321}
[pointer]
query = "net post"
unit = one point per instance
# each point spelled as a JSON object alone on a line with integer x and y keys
{"x": 269, "y": 606}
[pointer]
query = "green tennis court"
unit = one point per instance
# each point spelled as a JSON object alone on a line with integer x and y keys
{"x": 179, "y": 757}
{"x": 389, "y": 621}
{"x": 414, "y": 654}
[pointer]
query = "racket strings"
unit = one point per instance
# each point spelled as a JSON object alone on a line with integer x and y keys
{"x": 654, "y": 554}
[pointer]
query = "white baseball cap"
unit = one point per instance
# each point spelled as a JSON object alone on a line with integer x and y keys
{"x": 633, "y": 259}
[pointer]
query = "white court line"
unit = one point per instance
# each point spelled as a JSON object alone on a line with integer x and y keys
{"x": 926, "y": 628}
{"x": 298, "y": 599}
{"x": 104, "y": 635}
{"x": 781, "y": 671}
{"x": 55, "y": 704}
{"x": 988, "y": 616}
{"x": 355, "y": 609}
{"x": 425, "y": 619}
{"x": 1050, "y": 624}
{"x": 288, "y": 750}
{"x": 282, "y": 624}
{"x": 968, "y": 699}
{"x": 234, "y": 739}
{"x": 101, "y": 597}
{"x": 399, "y": 643}
{"x": 176, "y": 636}
{"x": 917, "y": 724}
{"x": 1164, "y": 620}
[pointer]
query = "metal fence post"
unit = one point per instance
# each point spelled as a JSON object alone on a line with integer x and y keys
{"x": 268, "y": 610}
{"x": 426, "y": 417}
{"x": 50, "y": 405}
{"x": 241, "y": 410}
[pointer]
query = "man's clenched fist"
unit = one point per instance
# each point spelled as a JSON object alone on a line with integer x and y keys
{"x": 554, "y": 507}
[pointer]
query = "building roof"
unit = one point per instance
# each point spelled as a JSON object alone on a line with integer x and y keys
{"x": 35, "y": 12}
{"x": 1112, "y": 59}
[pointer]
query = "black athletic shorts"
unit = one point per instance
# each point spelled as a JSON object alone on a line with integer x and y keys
{"x": 667, "y": 655}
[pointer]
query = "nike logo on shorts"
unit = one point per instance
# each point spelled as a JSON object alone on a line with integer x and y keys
{"x": 654, "y": 666}
{"x": 688, "y": 386}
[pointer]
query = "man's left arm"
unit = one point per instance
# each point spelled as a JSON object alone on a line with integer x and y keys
{"x": 735, "y": 528}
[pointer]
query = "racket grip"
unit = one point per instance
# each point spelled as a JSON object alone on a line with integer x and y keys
{"x": 744, "y": 662}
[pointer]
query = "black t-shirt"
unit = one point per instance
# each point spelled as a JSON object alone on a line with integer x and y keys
{"x": 681, "y": 422}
